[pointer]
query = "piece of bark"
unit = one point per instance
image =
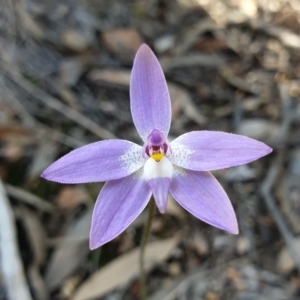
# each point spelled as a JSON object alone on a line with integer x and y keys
{"x": 12, "y": 271}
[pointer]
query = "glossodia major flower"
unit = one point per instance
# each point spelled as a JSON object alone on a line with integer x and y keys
{"x": 133, "y": 172}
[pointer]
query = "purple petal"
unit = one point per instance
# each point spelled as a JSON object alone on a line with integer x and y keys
{"x": 100, "y": 161}
{"x": 118, "y": 204}
{"x": 158, "y": 174}
{"x": 202, "y": 195}
{"x": 160, "y": 188}
{"x": 149, "y": 95}
{"x": 212, "y": 150}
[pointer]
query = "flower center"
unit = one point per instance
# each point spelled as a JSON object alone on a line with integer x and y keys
{"x": 156, "y": 145}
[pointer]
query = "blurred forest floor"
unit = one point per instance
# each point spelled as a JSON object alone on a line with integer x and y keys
{"x": 64, "y": 76}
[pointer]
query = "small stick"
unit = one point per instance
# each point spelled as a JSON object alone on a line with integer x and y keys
{"x": 266, "y": 190}
{"x": 146, "y": 232}
{"x": 33, "y": 124}
{"x": 28, "y": 198}
{"x": 268, "y": 183}
{"x": 55, "y": 104}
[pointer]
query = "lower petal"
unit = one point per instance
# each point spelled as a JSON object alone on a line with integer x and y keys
{"x": 202, "y": 195}
{"x": 160, "y": 189}
{"x": 118, "y": 204}
{"x": 158, "y": 174}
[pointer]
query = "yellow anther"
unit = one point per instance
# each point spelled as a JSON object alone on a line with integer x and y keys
{"x": 157, "y": 156}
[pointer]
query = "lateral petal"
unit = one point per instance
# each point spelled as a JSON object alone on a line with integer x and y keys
{"x": 213, "y": 150}
{"x": 159, "y": 175}
{"x": 149, "y": 96}
{"x": 119, "y": 203}
{"x": 100, "y": 161}
{"x": 202, "y": 195}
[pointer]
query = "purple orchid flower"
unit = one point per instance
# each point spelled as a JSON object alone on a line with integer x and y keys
{"x": 133, "y": 173}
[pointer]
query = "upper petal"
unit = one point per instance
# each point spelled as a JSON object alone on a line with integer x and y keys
{"x": 149, "y": 96}
{"x": 100, "y": 161}
{"x": 118, "y": 204}
{"x": 212, "y": 150}
{"x": 202, "y": 195}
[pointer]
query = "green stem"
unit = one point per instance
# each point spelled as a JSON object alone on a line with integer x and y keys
{"x": 143, "y": 289}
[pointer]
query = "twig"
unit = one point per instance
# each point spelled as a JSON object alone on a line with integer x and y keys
{"x": 238, "y": 82}
{"x": 288, "y": 115}
{"x": 33, "y": 124}
{"x": 268, "y": 183}
{"x": 266, "y": 190}
{"x": 207, "y": 60}
{"x": 287, "y": 37}
{"x": 146, "y": 232}
{"x": 194, "y": 34}
{"x": 28, "y": 198}
{"x": 55, "y": 104}
{"x": 58, "y": 136}
{"x": 11, "y": 266}
{"x": 172, "y": 290}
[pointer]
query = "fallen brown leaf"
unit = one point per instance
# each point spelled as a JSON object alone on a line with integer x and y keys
{"x": 69, "y": 253}
{"x": 123, "y": 268}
